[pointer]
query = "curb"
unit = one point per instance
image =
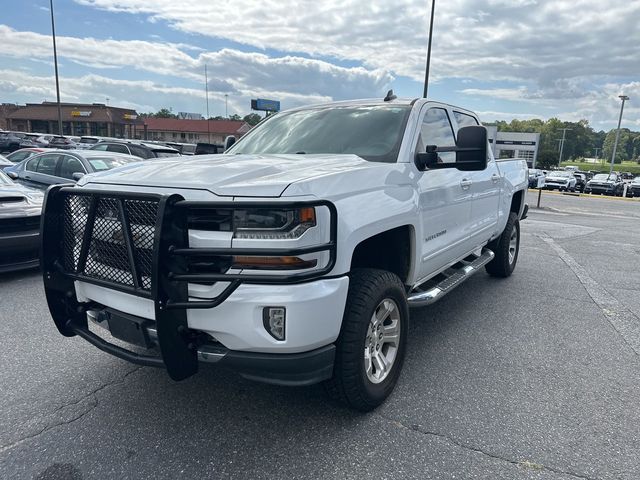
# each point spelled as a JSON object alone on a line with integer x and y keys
{"x": 585, "y": 195}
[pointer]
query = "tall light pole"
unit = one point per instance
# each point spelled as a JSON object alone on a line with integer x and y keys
{"x": 55, "y": 63}
{"x": 564, "y": 131}
{"x": 206, "y": 92}
{"x": 426, "y": 70}
{"x": 226, "y": 105}
{"x": 624, "y": 98}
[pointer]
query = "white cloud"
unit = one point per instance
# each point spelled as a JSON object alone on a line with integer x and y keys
{"x": 242, "y": 71}
{"x": 494, "y": 39}
{"x": 144, "y": 96}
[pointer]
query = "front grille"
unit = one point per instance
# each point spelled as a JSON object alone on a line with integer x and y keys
{"x": 107, "y": 256}
{"x": 19, "y": 224}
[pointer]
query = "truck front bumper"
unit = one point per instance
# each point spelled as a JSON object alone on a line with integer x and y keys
{"x": 289, "y": 369}
{"x": 106, "y": 250}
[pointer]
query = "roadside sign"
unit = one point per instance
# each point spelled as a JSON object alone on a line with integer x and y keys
{"x": 540, "y": 182}
{"x": 265, "y": 105}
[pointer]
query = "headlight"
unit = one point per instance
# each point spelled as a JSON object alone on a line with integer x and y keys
{"x": 271, "y": 224}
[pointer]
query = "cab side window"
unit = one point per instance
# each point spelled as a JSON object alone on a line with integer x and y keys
{"x": 465, "y": 120}
{"x": 47, "y": 164}
{"x": 436, "y": 130}
{"x": 32, "y": 164}
{"x": 70, "y": 165}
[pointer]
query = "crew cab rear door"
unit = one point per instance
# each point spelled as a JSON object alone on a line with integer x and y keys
{"x": 485, "y": 188}
{"x": 444, "y": 197}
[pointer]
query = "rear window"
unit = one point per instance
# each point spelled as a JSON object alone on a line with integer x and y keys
{"x": 165, "y": 153}
{"x": 88, "y": 140}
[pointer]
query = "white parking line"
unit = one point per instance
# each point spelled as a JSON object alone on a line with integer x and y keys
{"x": 623, "y": 320}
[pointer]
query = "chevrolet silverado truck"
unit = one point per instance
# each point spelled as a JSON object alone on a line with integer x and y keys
{"x": 294, "y": 258}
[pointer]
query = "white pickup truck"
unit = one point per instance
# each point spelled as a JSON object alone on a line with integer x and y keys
{"x": 293, "y": 258}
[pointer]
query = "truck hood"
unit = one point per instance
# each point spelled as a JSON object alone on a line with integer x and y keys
{"x": 19, "y": 201}
{"x": 229, "y": 175}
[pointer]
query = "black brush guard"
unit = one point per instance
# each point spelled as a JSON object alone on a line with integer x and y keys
{"x": 157, "y": 271}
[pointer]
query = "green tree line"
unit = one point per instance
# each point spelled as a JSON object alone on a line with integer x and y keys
{"x": 252, "y": 119}
{"x": 580, "y": 141}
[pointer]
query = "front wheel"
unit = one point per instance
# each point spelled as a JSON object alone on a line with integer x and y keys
{"x": 506, "y": 248}
{"x": 371, "y": 347}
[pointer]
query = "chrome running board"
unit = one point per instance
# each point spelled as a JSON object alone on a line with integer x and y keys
{"x": 435, "y": 288}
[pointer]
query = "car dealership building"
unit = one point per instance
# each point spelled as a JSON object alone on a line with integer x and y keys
{"x": 514, "y": 145}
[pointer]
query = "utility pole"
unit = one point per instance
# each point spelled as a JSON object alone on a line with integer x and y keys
{"x": 206, "y": 91}
{"x": 564, "y": 131}
{"x": 426, "y": 70}
{"x": 226, "y": 105}
{"x": 615, "y": 144}
{"x": 55, "y": 63}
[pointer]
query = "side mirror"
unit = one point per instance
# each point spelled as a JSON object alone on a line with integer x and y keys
{"x": 228, "y": 142}
{"x": 77, "y": 176}
{"x": 12, "y": 175}
{"x": 471, "y": 152}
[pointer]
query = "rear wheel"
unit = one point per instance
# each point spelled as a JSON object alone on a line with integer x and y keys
{"x": 506, "y": 248}
{"x": 371, "y": 347}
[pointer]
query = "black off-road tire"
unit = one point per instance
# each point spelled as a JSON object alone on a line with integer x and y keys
{"x": 350, "y": 384}
{"x": 501, "y": 265}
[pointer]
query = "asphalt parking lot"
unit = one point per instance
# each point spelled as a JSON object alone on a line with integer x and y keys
{"x": 536, "y": 376}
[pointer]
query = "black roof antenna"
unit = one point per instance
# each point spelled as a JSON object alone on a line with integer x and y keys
{"x": 390, "y": 96}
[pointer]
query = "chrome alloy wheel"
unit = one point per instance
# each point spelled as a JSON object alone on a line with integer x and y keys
{"x": 513, "y": 245}
{"x": 383, "y": 340}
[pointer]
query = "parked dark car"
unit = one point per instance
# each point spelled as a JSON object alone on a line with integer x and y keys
{"x": 183, "y": 148}
{"x": 534, "y": 175}
{"x": 64, "y": 166}
{"x": 12, "y": 141}
{"x": 633, "y": 189}
{"x": 208, "y": 149}
{"x": 605, "y": 183}
{"x": 20, "y": 209}
{"x": 62, "y": 143}
{"x": 138, "y": 149}
{"x": 581, "y": 181}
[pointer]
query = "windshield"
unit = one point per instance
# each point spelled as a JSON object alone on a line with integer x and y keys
{"x": 603, "y": 177}
{"x": 101, "y": 164}
{"x": 88, "y": 140}
{"x": 371, "y": 132}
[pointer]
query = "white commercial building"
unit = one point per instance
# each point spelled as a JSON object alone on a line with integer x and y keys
{"x": 514, "y": 145}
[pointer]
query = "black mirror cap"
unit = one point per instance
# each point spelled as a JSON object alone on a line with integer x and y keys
{"x": 228, "y": 142}
{"x": 471, "y": 148}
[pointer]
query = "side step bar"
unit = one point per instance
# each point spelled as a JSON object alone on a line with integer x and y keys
{"x": 453, "y": 277}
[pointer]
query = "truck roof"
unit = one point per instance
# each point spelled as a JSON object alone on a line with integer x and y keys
{"x": 380, "y": 101}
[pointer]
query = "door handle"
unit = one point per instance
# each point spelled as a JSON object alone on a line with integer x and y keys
{"x": 27, "y": 177}
{"x": 465, "y": 183}
{"x": 495, "y": 177}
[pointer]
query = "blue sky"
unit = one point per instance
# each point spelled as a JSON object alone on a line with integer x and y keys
{"x": 502, "y": 58}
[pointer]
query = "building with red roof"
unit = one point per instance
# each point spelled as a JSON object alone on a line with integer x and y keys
{"x": 192, "y": 131}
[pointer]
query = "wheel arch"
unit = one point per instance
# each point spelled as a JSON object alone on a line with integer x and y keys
{"x": 392, "y": 250}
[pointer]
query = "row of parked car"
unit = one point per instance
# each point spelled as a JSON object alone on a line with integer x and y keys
{"x": 573, "y": 180}
{"x": 28, "y": 170}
